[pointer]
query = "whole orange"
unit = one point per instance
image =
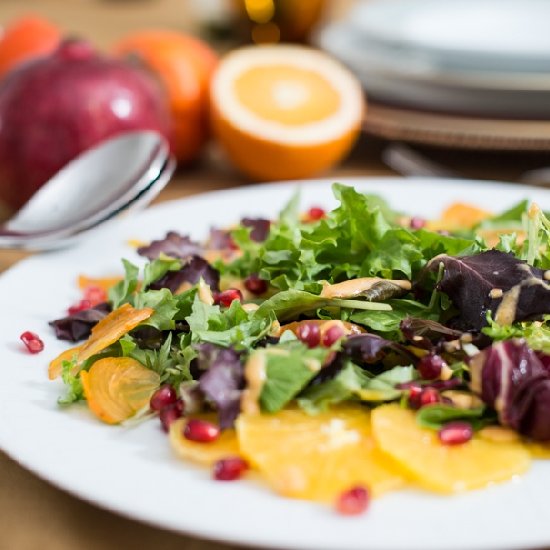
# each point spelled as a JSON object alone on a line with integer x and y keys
{"x": 184, "y": 65}
{"x": 25, "y": 39}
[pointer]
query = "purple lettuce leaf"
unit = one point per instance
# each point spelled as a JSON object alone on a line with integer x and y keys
{"x": 370, "y": 349}
{"x": 222, "y": 381}
{"x": 481, "y": 283}
{"x": 425, "y": 334}
{"x": 78, "y": 326}
{"x": 511, "y": 378}
{"x": 195, "y": 269}
{"x": 259, "y": 228}
{"x": 220, "y": 239}
{"x": 173, "y": 245}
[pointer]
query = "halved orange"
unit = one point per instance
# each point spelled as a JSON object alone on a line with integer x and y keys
{"x": 284, "y": 112}
{"x": 316, "y": 457}
{"x": 118, "y": 387}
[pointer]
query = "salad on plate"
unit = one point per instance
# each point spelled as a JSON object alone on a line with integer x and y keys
{"x": 334, "y": 356}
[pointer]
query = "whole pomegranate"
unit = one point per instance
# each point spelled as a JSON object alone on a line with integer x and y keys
{"x": 56, "y": 107}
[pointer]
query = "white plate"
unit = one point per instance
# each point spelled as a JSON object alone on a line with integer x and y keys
{"x": 133, "y": 472}
{"x": 414, "y": 78}
{"x": 481, "y": 34}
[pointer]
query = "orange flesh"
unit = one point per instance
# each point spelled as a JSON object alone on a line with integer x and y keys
{"x": 287, "y": 95}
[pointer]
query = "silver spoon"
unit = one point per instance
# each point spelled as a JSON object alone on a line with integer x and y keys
{"x": 94, "y": 187}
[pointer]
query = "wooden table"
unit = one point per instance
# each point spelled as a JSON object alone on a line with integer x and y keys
{"x": 34, "y": 514}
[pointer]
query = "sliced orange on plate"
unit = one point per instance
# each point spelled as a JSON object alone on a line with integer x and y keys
{"x": 285, "y": 112}
{"x": 316, "y": 457}
{"x": 116, "y": 388}
{"x": 444, "y": 468}
{"x": 109, "y": 330}
{"x": 208, "y": 454}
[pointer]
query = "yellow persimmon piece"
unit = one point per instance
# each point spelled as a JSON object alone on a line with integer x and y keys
{"x": 110, "y": 329}
{"x": 444, "y": 468}
{"x": 207, "y": 454}
{"x": 539, "y": 449}
{"x": 105, "y": 283}
{"x": 459, "y": 216}
{"x": 113, "y": 327}
{"x": 316, "y": 457}
{"x": 56, "y": 365}
{"x": 118, "y": 387}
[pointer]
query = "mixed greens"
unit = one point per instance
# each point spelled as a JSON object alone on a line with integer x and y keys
{"x": 357, "y": 305}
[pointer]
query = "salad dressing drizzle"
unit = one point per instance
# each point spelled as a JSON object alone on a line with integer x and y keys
{"x": 355, "y": 287}
{"x": 255, "y": 376}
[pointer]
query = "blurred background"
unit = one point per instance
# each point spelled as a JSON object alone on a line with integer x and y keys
{"x": 457, "y": 88}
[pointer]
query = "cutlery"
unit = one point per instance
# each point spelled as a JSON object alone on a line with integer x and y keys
{"x": 122, "y": 173}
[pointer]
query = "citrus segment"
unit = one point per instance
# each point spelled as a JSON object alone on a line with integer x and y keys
{"x": 118, "y": 387}
{"x": 284, "y": 112}
{"x": 459, "y": 216}
{"x": 316, "y": 457}
{"x": 439, "y": 467}
{"x": 204, "y": 453}
{"x": 105, "y": 283}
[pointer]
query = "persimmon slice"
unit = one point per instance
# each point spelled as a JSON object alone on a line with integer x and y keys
{"x": 56, "y": 365}
{"x": 118, "y": 387}
{"x": 110, "y": 329}
{"x": 106, "y": 283}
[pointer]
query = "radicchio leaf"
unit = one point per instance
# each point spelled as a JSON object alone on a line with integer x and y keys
{"x": 510, "y": 377}
{"x": 173, "y": 245}
{"x": 78, "y": 326}
{"x": 195, "y": 269}
{"x": 370, "y": 348}
{"x": 492, "y": 281}
{"x": 259, "y": 228}
{"x": 222, "y": 381}
{"x": 425, "y": 334}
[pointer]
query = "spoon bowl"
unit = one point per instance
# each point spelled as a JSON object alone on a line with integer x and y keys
{"x": 92, "y": 188}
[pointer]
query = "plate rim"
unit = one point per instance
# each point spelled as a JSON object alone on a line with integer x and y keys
{"x": 55, "y": 479}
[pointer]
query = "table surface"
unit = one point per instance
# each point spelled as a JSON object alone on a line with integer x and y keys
{"x": 34, "y": 514}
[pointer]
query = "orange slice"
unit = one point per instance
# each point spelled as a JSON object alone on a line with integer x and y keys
{"x": 110, "y": 329}
{"x": 284, "y": 112}
{"x": 106, "y": 283}
{"x": 444, "y": 468}
{"x": 459, "y": 216}
{"x": 208, "y": 454}
{"x": 118, "y": 387}
{"x": 316, "y": 457}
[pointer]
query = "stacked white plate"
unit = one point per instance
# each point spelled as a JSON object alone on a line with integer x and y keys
{"x": 472, "y": 57}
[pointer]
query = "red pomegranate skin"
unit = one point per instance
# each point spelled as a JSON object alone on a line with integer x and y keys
{"x": 56, "y": 107}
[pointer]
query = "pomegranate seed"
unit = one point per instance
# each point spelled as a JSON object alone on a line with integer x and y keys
{"x": 79, "y": 306}
{"x": 415, "y": 392}
{"x": 95, "y": 294}
{"x": 201, "y": 431}
{"x": 170, "y": 413}
{"x": 316, "y": 213}
{"x": 32, "y": 341}
{"x": 231, "y": 244}
{"x": 309, "y": 334}
{"x": 229, "y": 469}
{"x": 455, "y": 433}
{"x": 332, "y": 335}
{"x": 254, "y": 284}
{"x": 429, "y": 396}
{"x": 354, "y": 501}
{"x": 164, "y": 396}
{"x": 430, "y": 366}
{"x": 417, "y": 223}
{"x": 226, "y": 297}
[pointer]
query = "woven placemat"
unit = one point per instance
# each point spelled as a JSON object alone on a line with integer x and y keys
{"x": 456, "y": 131}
